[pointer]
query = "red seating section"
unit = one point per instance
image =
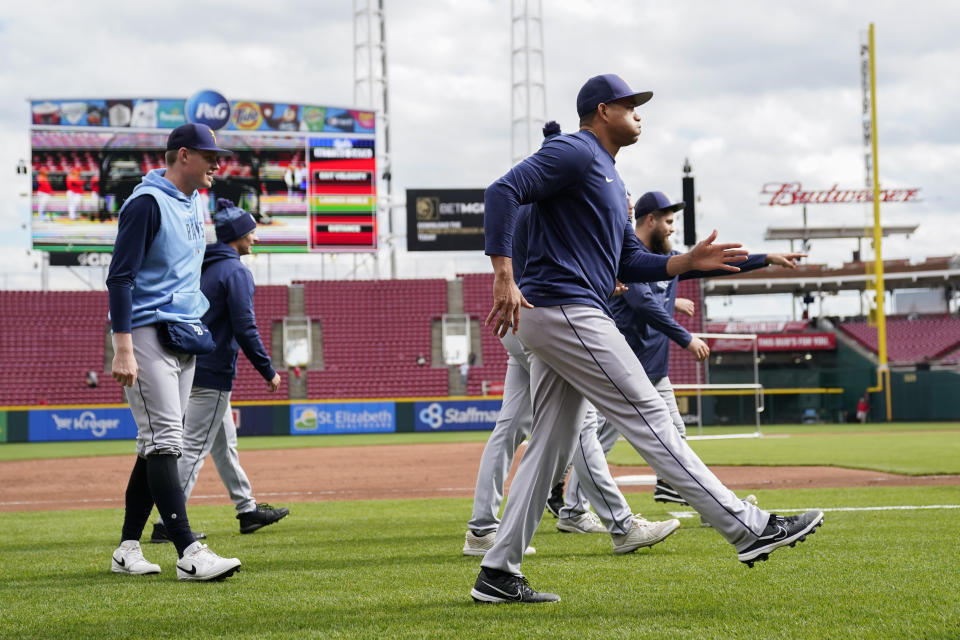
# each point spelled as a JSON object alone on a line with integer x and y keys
{"x": 48, "y": 342}
{"x": 683, "y": 366}
{"x": 373, "y": 331}
{"x": 270, "y": 305}
{"x": 477, "y": 301}
{"x": 910, "y": 341}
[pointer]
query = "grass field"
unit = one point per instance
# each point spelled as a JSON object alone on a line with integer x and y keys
{"x": 393, "y": 569}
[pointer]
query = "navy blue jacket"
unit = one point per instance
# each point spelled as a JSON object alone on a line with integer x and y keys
{"x": 580, "y": 239}
{"x": 644, "y": 315}
{"x": 228, "y": 285}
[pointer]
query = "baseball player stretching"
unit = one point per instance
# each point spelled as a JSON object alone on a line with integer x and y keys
{"x": 155, "y": 278}
{"x": 209, "y": 427}
{"x": 628, "y": 531}
{"x": 644, "y": 314}
{"x": 580, "y": 243}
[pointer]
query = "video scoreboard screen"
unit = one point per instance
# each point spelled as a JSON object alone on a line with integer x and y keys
{"x": 307, "y": 173}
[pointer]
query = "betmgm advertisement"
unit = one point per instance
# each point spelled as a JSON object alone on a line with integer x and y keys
{"x": 88, "y": 155}
{"x": 445, "y": 219}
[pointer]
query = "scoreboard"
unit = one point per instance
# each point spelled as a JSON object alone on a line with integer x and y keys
{"x": 306, "y": 173}
{"x": 343, "y": 193}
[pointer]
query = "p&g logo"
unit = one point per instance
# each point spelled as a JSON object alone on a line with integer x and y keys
{"x": 208, "y": 107}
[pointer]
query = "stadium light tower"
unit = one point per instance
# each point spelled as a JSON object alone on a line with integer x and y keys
{"x": 528, "y": 81}
{"x": 370, "y": 89}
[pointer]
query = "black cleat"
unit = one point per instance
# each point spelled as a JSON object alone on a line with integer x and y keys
{"x": 555, "y": 501}
{"x": 663, "y": 492}
{"x": 263, "y": 515}
{"x": 160, "y": 536}
{"x": 495, "y": 586}
{"x": 780, "y": 532}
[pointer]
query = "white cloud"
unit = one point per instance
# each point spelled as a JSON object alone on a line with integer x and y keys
{"x": 751, "y": 92}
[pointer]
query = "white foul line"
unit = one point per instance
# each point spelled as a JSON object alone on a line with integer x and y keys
{"x": 904, "y": 507}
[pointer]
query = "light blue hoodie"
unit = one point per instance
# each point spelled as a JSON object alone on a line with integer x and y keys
{"x": 167, "y": 286}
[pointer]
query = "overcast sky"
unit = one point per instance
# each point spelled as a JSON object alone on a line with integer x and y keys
{"x": 750, "y": 92}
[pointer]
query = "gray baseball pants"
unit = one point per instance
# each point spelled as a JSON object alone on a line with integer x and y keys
{"x": 577, "y": 355}
{"x": 158, "y": 399}
{"x": 574, "y": 500}
{"x": 209, "y": 429}
{"x": 513, "y": 426}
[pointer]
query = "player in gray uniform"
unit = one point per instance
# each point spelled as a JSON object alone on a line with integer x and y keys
{"x": 629, "y": 531}
{"x": 644, "y": 314}
{"x": 580, "y": 243}
{"x": 209, "y": 426}
{"x": 155, "y": 310}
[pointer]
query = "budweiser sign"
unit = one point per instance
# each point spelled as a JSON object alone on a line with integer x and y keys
{"x": 785, "y": 194}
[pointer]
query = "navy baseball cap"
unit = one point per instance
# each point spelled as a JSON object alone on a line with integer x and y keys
{"x": 195, "y": 136}
{"x": 606, "y": 89}
{"x": 655, "y": 201}
{"x": 231, "y": 222}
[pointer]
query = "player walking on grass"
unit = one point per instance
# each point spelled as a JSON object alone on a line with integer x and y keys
{"x": 155, "y": 310}
{"x": 581, "y": 242}
{"x": 629, "y": 531}
{"x": 644, "y": 314}
{"x": 208, "y": 427}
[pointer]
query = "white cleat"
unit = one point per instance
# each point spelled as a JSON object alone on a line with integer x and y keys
{"x": 199, "y": 563}
{"x": 475, "y": 545}
{"x": 128, "y": 558}
{"x": 643, "y": 533}
{"x": 586, "y": 522}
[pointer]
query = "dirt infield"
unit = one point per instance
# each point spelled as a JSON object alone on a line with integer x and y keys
{"x": 358, "y": 473}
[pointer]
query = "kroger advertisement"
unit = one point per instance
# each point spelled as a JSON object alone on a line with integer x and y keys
{"x": 456, "y": 415}
{"x": 89, "y": 154}
{"x": 81, "y": 424}
{"x": 353, "y": 417}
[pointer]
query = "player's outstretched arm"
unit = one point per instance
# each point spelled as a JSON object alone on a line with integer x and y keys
{"x": 786, "y": 260}
{"x": 707, "y": 256}
{"x": 507, "y": 298}
{"x": 124, "y": 367}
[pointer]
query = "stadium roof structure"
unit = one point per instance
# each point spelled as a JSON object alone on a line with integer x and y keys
{"x": 832, "y": 233}
{"x": 852, "y": 276}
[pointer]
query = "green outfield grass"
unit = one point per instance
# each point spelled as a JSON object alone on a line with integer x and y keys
{"x": 393, "y": 569}
{"x": 915, "y": 452}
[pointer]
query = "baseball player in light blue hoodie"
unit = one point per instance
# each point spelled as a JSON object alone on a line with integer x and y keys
{"x": 155, "y": 310}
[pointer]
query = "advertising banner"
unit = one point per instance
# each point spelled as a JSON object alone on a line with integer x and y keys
{"x": 87, "y": 157}
{"x": 456, "y": 415}
{"x": 779, "y": 342}
{"x": 342, "y": 417}
{"x": 445, "y": 219}
{"x": 47, "y": 425}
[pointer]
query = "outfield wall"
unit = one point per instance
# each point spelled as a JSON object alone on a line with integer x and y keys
{"x": 115, "y": 422}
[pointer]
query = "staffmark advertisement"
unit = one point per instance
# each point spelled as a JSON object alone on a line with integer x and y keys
{"x": 81, "y": 424}
{"x": 354, "y": 417}
{"x": 456, "y": 415}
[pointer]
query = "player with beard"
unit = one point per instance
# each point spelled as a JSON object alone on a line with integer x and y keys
{"x": 644, "y": 313}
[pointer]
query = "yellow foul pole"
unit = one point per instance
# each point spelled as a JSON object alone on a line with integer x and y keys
{"x": 883, "y": 369}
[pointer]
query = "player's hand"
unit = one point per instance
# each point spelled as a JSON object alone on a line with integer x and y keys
{"x": 699, "y": 349}
{"x": 707, "y": 256}
{"x": 124, "y": 368}
{"x": 786, "y": 260}
{"x": 274, "y": 384}
{"x": 619, "y": 289}
{"x": 507, "y": 301}
{"x": 685, "y": 306}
